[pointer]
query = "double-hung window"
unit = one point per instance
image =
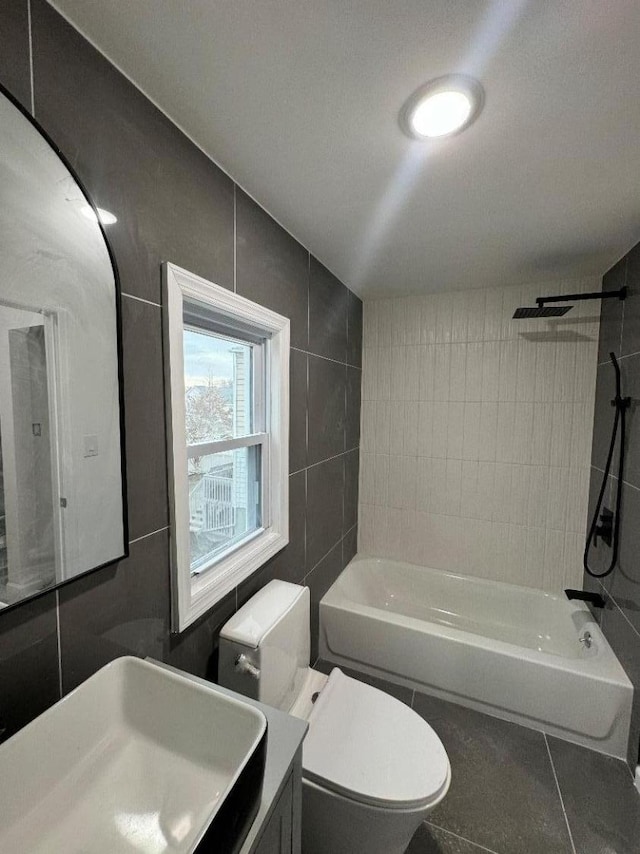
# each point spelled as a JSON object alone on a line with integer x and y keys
{"x": 228, "y": 402}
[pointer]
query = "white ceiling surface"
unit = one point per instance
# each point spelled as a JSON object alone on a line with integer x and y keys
{"x": 298, "y": 101}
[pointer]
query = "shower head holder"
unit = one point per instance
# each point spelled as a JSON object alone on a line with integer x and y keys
{"x": 620, "y": 294}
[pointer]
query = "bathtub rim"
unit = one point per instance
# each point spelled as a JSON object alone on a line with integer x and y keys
{"x": 596, "y": 665}
{"x": 597, "y": 672}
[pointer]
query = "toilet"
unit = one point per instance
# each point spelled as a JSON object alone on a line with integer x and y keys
{"x": 372, "y": 768}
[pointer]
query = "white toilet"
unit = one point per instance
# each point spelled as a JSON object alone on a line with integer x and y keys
{"x": 372, "y": 768}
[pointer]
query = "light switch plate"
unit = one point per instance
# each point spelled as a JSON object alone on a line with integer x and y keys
{"x": 91, "y": 446}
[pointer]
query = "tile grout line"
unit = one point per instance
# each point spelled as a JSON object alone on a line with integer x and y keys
{"x": 326, "y": 358}
{"x": 517, "y": 525}
{"x": 353, "y": 527}
{"x": 622, "y": 613}
{"x": 620, "y": 358}
{"x": 344, "y": 507}
{"x": 511, "y": 463}
{"x": 306, "y": 504}
{"x": 308, "y": 298}
{"x": 555, "y": 777}
{"x": 31, "y": 80}
{"x": 463, "y": 838}
{"x": 613, "y": 476}
{"x": 59, "y": 642}
{"x": 140, "y": 299}
{"x": 346, "y": 328}
{"x": 306, "y": 417}
{"x": 626, "y": 276}
{"x": 460, "y": 400}
{"x": 346, "y": 406}
{"x": 337, "y": 543}
{"x": 328, "y": 460}
{"x": 316, "y": 565}
{"x": 150, "y": 534}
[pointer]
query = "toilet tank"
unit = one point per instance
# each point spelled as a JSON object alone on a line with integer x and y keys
{"x": 272, "y": 632}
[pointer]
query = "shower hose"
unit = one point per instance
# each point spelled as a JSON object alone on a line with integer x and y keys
{"x": 621, "y": 404}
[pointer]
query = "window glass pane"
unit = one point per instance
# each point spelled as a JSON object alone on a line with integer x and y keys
{"x": 224, "y": 502}
{"x": 218, "y": 387}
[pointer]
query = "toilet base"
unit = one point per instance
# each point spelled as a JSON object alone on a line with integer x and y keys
{"x": 332, "y": 824}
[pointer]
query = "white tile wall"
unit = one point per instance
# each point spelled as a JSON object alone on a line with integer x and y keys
{"x": 476, "y": 433}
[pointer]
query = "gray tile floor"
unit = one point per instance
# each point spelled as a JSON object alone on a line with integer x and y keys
{"x": 516, "y": 791}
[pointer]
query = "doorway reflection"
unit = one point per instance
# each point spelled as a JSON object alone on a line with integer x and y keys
{"x": 28, "y": 546}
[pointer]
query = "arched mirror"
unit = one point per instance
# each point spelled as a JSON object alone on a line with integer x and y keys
{"x": 61, "y": 472}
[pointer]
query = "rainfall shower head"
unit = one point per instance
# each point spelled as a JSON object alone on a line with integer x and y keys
{"x": 541, "y": 311}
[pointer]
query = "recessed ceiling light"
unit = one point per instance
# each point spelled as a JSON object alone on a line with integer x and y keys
{"x": 443, "y": 107}
{"x": 106, "y": 217}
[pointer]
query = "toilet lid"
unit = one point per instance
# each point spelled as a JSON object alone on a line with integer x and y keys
{"x": 370, "y": 747}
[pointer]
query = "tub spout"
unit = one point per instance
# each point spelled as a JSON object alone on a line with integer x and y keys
{"x": 594, "y": 599}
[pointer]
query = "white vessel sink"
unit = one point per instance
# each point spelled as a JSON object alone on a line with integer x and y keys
{"x": 137, "y": 760}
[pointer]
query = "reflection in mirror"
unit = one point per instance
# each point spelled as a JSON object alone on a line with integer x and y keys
{"x": 61, "y": 494}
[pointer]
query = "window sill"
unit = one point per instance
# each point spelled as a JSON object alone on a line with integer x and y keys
{"x": 208, "y": 589}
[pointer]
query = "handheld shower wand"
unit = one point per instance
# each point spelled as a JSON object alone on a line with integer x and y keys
{"x": 609, "y": 527}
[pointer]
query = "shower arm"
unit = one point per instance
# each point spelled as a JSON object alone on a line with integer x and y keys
{"x": 620, "y": 294}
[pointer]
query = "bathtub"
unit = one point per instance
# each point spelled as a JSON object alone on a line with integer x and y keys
{"x": 509, "y": 651}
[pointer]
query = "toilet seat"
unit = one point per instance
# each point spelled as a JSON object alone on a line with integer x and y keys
{"x": 371, "y": 748}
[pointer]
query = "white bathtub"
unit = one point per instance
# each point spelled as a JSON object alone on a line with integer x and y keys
{"x": 511, "y": 651}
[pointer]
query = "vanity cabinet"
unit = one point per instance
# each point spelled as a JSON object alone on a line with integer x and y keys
{"x": 277, "y": 836}
{"x": 279, "y": 831}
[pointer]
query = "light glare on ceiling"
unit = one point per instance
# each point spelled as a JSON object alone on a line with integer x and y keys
{"x": 440, "y": 114}
{"x": 106, "y": 217}
{"x": 442, "y": 107}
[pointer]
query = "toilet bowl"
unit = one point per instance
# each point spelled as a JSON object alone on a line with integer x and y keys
{"x": 372, "y": 768}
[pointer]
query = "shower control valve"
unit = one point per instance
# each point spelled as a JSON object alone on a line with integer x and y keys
{"x": 621, "y": 402}
{"x": 605, "y": 529}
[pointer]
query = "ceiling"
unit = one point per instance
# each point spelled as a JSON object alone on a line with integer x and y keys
{"x": 298, "y": 100}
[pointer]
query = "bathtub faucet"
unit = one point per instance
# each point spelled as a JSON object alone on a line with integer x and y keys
{"x": 594, "y": 599}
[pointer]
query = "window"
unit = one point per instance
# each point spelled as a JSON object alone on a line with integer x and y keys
{"x": 228, "y": 412}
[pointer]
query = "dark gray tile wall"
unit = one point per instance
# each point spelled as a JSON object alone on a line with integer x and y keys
{"x": 325, "y": 508}
{"x": 144, "y": 417}
{"x": 120, "y": 610}
{"x": 29, "y": 677}
{"x": 327, "y": 409}
{"x": 329, "y": 315}
{"x": 272, "y": 267}
{"x": 171, "y": 203}
{"x": 174, "y": 204}
{"x": 620, "y": 334}
{"x": 15, "y": 54}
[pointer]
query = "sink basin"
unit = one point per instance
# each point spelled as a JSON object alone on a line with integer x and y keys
{"x": 136, "y": 760}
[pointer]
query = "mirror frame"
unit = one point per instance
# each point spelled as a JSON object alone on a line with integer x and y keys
{"x": 119, "y": 351}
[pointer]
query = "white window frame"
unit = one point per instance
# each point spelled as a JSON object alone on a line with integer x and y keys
{"x": 194, "y": 595}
